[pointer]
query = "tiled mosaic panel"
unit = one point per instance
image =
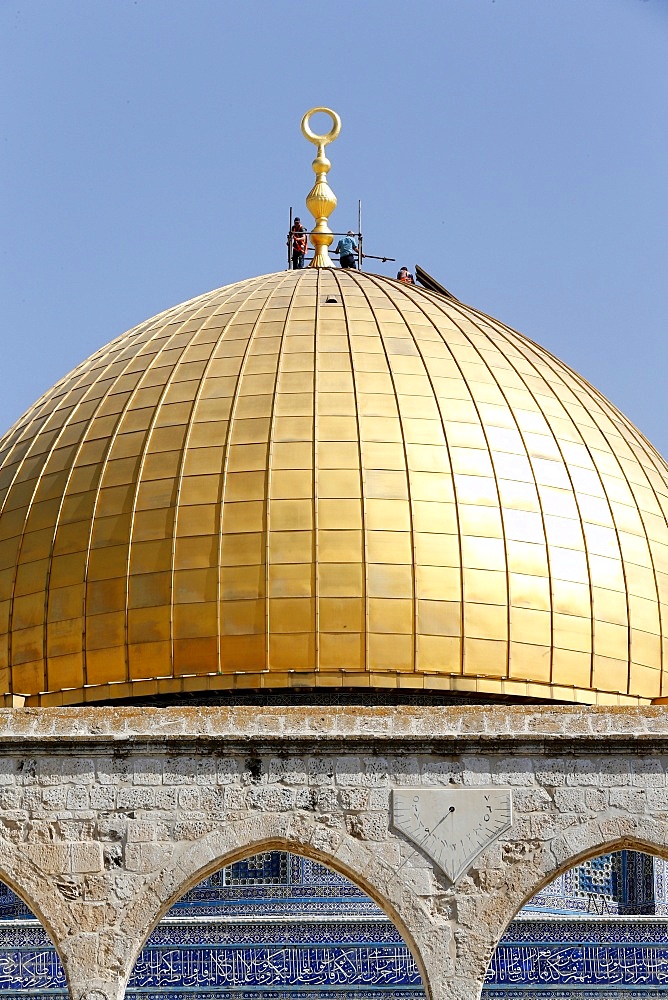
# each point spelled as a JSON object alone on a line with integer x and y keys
{"x": 191, "y": 957}
{"x": 540, "y": 958}
{"x": 269, "y": 866}
{"x": 191, "y": 953}
{"x": 626, "y": 882}
{"x": 576, "y": 993}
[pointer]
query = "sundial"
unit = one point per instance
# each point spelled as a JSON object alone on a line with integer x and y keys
{"x": 452, "y": 825}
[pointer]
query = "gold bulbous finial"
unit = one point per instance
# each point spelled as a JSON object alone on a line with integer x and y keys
{"x": 321, "y": 200}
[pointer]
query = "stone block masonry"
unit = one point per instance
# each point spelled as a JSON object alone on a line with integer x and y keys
{"x": 108, "y": 815}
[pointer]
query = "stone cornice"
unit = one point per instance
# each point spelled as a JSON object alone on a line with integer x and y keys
{"x": 489, "y": 729}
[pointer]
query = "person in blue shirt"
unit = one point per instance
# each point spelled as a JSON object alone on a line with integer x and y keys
{"x": 347, "y": 250}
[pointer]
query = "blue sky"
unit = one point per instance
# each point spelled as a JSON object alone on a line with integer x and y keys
{"x": 516, "y": 149}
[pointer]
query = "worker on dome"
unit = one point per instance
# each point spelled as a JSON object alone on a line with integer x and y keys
{"x": 299, "y": 243}
{"x": 405, "y": 276}
{"x": 347, "y": 250}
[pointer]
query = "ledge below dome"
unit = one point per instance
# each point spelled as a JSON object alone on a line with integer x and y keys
{"x": 295, "y": 687}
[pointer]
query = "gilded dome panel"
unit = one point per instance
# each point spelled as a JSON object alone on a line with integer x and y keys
{"x": 326, "y": 478}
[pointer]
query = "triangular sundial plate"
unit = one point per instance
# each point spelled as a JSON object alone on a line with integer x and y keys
{"x": 452, "y": 825}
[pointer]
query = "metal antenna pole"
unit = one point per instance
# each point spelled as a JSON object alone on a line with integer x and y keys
{"x": 290, "y": 241}
{"x": 360, "y": 255}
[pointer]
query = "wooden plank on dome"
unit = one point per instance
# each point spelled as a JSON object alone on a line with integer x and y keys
{"x": 432, "y": 284}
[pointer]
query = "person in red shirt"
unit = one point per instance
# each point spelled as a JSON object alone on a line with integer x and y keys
{"x": 299, "y": 244}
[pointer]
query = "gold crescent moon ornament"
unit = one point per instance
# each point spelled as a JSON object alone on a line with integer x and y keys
{"x": 321, "y": 200}
{"x": 321, "y": 140}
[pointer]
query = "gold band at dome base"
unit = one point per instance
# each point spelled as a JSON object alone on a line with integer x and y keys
{"x": 309, "y": 680}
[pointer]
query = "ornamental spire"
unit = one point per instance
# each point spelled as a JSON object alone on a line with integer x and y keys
{"x": 321, "y": 200}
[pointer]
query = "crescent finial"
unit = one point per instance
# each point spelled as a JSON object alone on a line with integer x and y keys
{"x": 321, "y": 200}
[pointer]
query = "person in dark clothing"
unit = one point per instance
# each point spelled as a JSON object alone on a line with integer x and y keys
{"x": 299, "y": 243}
{"x": 347, "y": 250}
{"x": 405, "y": 276}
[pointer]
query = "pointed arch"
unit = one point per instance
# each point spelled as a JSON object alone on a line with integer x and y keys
{"x": 41, "y": 911}
{"x": 22, "y": 872}
{"x": 578, "y": 925}
{"x": 354, "y": 859}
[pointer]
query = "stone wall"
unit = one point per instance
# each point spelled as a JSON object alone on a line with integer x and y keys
{"x": 107, "y": 815}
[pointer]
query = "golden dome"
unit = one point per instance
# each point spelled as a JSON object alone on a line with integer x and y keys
{"x": 325, "y": 478}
